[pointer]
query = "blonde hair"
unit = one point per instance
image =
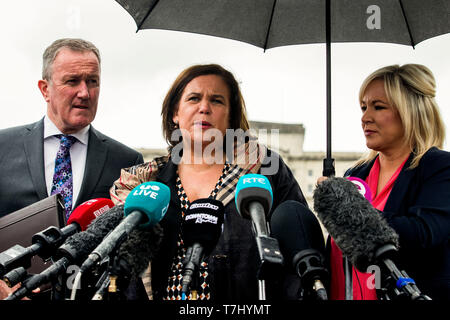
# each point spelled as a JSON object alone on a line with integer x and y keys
{"x": 411, "y": 89}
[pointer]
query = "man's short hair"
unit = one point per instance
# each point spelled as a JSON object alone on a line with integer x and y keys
{"x": 69, "y": 43}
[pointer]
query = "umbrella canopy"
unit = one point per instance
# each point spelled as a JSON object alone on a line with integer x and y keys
{"x": 274, "y": 23}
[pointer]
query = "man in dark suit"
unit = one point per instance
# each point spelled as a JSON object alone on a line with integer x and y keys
{"x": 70, "y": 85}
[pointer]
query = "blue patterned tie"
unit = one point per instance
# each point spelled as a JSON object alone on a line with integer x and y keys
{"x": 62, "y": 178}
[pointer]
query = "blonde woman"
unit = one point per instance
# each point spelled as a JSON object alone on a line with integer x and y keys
{"x": 408, "y": 174}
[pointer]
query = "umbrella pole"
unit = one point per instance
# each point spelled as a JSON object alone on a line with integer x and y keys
{"x": 328, "y": 162}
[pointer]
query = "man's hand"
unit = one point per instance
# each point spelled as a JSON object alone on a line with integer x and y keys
{"x": 6, "y": 291}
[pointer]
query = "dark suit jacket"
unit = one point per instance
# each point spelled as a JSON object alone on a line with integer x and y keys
{"x": 418, "y": 208}
{"x": 22, "y": 176}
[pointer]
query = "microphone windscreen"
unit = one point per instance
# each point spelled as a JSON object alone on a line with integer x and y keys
{"x": 138, "y": 250}
{"x": 88, "y": 211}
{"x": 101, "y": 226}
{"x": 151, "y": 198}
{"x": 355, "y": 225}
{"x": 296, "y": 228}
{"x": 253, "y": 187}
{"x": 203, "y": 223}
{"x": 80, "y": 245}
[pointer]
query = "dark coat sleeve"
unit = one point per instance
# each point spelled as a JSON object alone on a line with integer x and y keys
{"x": 424, "y": 222}
{"x": 418, "y": 209}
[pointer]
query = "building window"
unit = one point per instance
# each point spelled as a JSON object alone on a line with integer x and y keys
{"x": 310, "y": 173}
{"x": 310, "y": 188}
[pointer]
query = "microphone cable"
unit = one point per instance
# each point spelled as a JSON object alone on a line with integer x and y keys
{"x": 76, "y": 284}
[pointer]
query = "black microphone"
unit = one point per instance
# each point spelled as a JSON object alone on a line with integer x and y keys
{"x": 46, "y": 242}
{"x": 360, "y": 230}
{"x": 302, "y": 243}
{"x": 253, "y": 201}
{"x": 201, "y": 229}
{"x": 74, "y": 250}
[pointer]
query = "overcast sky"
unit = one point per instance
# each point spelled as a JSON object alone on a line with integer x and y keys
{"x": 285, "y": 84}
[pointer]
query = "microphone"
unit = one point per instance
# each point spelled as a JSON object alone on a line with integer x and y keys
{"x": 89, "y": 210}
{"x": 301, "y": 243}
{"x": 77, "y": 247}
{"x": 144, "y": 206}
{"x": 74, "y": 250}
{"x": 253, "y": 201}
{"x": 359, "y": 230}
{"x": 138, "y": 250}
{"x": 201, "y": 230}
{"x": 46, "y": 242}
{"x": 133, "y": 258}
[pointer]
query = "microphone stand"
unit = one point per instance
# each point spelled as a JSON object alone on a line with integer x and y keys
{"x": 309, "y": 266}
{"x": 102, "y": 285}
{"x": 398, "y": 281}
{"x": 348, "y": 271}
{"x": 191, "y": 263}
{"x": 58, "y": 289}
{"x": 115, "y": 277}
{"x": 268, "y": 248}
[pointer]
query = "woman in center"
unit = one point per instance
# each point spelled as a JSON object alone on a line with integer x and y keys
{"x": 205, "y": 160}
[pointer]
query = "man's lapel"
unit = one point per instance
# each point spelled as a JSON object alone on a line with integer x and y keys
{"x": 34, "y": 151}
{"x": 95, "y": 161}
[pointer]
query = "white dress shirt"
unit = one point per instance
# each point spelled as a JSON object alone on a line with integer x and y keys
{"x": 78, "y": 153}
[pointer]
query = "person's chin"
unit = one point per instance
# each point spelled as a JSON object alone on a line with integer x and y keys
{"x": 373, "y": 146}
{"x": 80, "y": 123}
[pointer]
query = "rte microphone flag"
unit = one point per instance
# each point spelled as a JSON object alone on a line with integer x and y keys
{"x": 254, "y": 201}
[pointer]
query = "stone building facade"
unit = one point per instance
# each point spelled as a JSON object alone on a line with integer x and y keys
{"x": 287, "y": 140}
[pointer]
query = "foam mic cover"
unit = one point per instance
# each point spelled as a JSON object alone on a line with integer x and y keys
{"x": 138, "y": 250}
{"x": 203, "y": 224}
{"x": 78, "y": 246}
{"x": 355, "y": 225}
{"x": 88, "y": 211}
{"x": 253, "y": 188}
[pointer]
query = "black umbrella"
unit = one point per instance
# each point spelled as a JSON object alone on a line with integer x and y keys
{"x": 274, "y": 23}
